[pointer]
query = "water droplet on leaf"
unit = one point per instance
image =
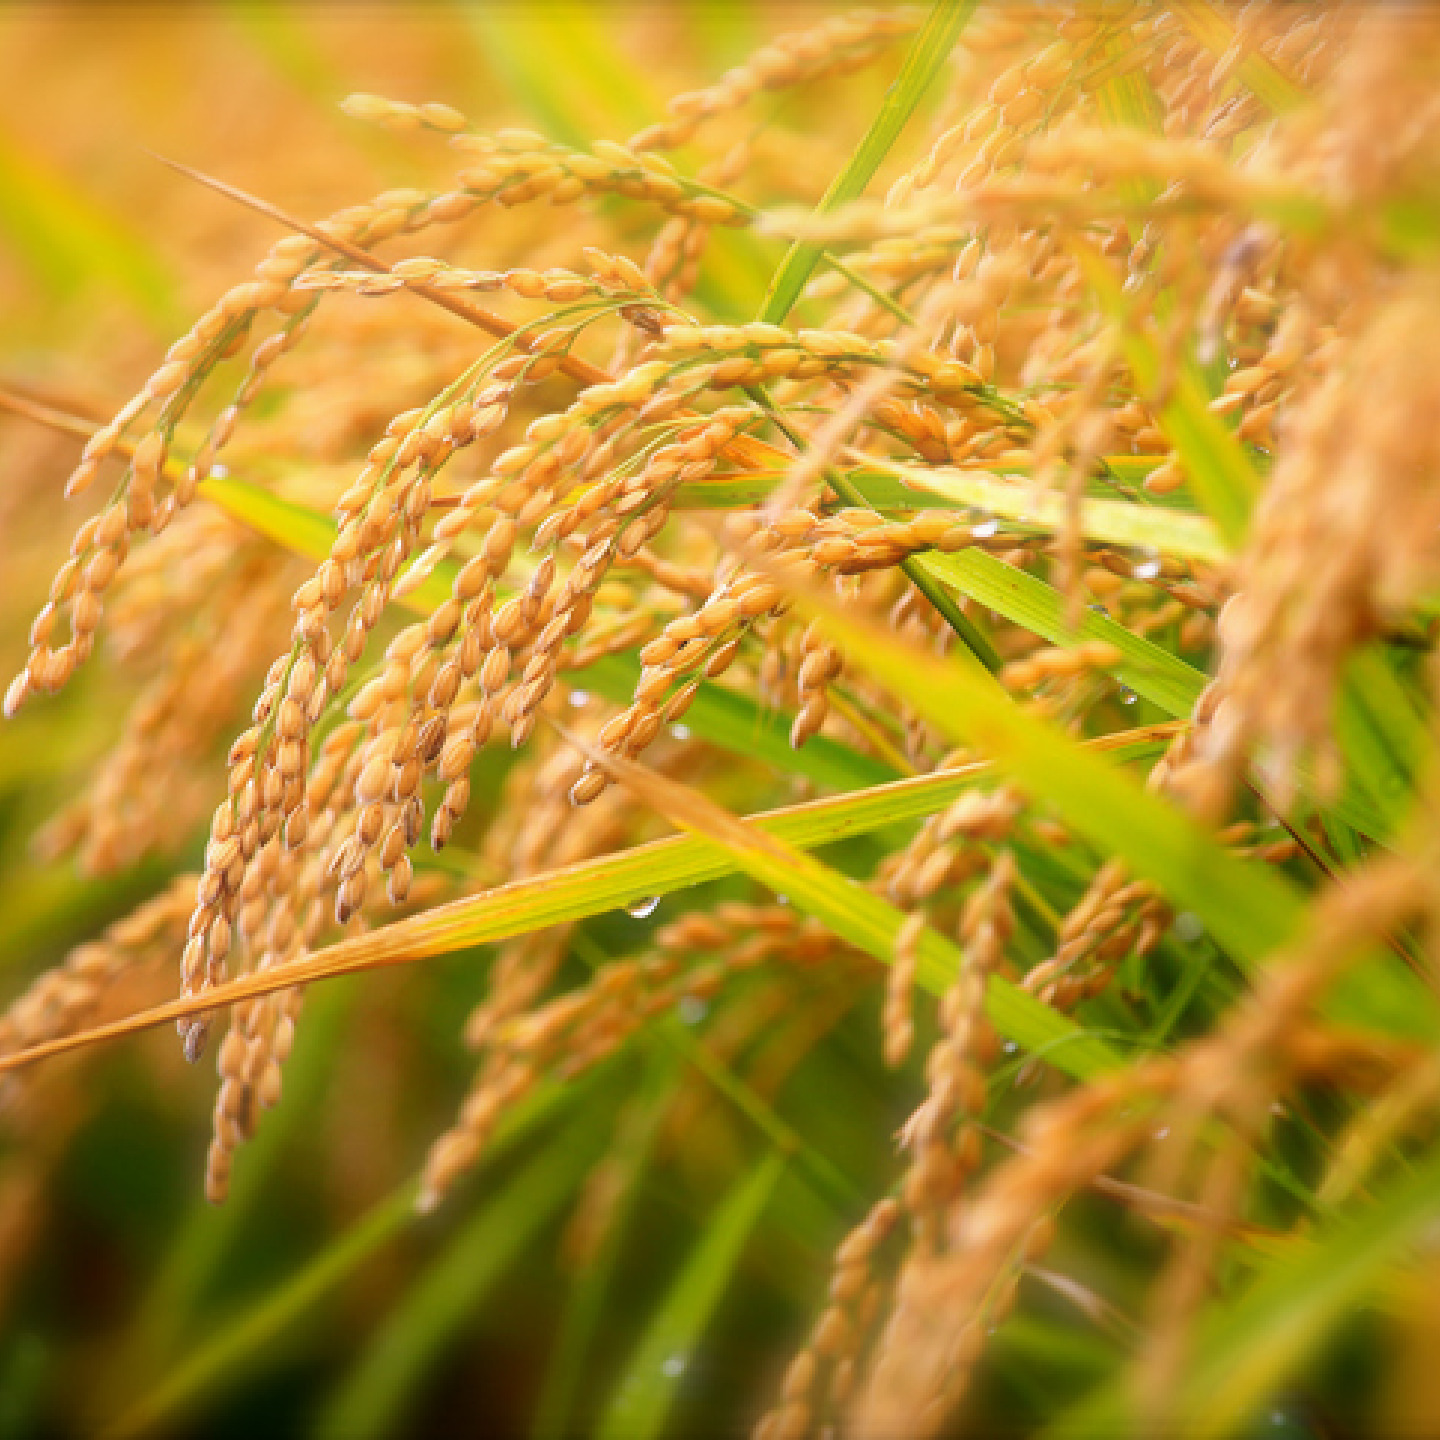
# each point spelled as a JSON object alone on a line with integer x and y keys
{"x": 1188, "y": 926}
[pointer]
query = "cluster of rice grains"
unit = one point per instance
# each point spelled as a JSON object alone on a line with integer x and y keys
{"x": 550, "y": 506}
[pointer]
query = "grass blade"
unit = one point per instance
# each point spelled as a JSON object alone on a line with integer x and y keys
{"x": 1152, "y": 672}
{"x": 1219, "y": 471}
{"x": 927, "y": 54}
{"x": 372, "y": 1401}
{"x": 219, "y": 1360}
{"x": 1249, "y": 910}
{"x": 733, "y": 721}
{"x": 1226, "y": 483}
{"x": 576, "y": 892}
{"x": 1114, "y": 522}
{"x": 581, "y": 1318}
{"x": 646, "y": 1392}
{"x": 207, "y": 1236}
{"x": 1248, "y": 1348}
{"x": 884, "y": 491}
{"x": 1260, "y": 74}
{"x": 837, "y": 1187}
{"x": 296, "y": 527}
{"x": 215, "y": 1363}
{"x": 1149, "y": 669}
{"x": 864, "y": 920}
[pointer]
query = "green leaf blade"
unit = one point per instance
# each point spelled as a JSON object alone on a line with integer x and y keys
{"x": 646, "y": 1393}
{"x": 922, "y": 64}
{"x": 373, "y": 1399}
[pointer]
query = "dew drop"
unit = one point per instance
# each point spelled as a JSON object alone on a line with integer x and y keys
{"x": 1288, "y": 1423}
{"x": 220, "y": 472}
{"x": 985, "y": 529}
{"x": 680, "y": 732}
{"x": 1148, "y": 568}
{"x": 1188, "y": 926}
{"x": 579, "y": 699}
{"x": 642, "y": 909}
{"x": 1127, "y": 695}
{"x": 674, "y": 1365}
{"x": 692, "y": 1009}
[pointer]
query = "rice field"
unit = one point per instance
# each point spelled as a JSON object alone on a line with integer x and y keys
{"x": 719, "y": 719}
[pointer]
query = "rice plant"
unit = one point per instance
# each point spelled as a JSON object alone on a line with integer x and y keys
{"x": 769, "y": 739}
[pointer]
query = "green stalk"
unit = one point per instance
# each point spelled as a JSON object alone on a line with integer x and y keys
{"x": 926, "y": 584}
{"x": 926, "y": 56}
{"x": 929, "y": 52}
